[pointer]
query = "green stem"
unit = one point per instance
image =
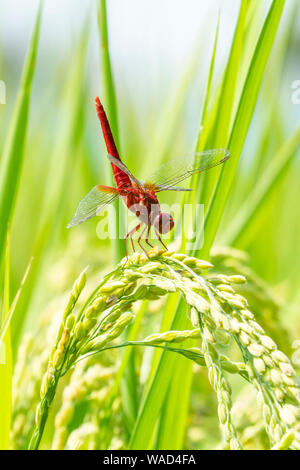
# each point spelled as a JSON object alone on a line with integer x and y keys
{"x": 110, "y": 103}
{"x": 45, "y": 406}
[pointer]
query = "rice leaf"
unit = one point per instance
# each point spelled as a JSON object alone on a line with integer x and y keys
{"x": 109, "y": 100}
{"x": 62, "y": 160}
{"x": 14, "y": 148}
{"x": 5, "y": 363}
{"x": 153, "y": 401}
{"x": 241, "y": 225}
{"x": 242, "y": 122}
{"x": 173, "y": 420}
{"x": 168, "y": 421}
{"x": 218, "y": 127}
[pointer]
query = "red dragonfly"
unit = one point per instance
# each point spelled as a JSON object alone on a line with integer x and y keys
{"x": 141, "y": 197}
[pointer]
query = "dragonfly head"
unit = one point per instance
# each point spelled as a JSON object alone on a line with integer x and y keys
{"x": 164, "y": 222}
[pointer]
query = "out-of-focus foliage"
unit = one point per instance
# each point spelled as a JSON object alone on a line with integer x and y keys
{"x": 242, "y": 98}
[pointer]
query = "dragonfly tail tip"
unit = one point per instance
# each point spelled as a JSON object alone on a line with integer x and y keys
{"x": 98, "y": 102}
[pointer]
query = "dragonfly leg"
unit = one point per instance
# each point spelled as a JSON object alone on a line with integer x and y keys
{"x": 125, "y": 247}
{"x": 132, "y": 244}
{"x": 147, "y": 236}
{"x": 139, "y": 241}
{"x": 160, "y": 240}
{"x": 129, "y": 235}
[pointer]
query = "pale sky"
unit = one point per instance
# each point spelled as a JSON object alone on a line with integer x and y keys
{"x": 150, "y": 40}
{"x": 146, "y": 35}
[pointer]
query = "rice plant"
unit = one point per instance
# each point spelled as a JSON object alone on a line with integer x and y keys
{"x": 190, "y": 347}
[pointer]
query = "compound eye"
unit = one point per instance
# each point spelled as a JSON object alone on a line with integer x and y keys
{"x": 165, "y": 223}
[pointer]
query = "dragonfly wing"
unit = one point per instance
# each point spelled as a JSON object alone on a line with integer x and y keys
{"x": 93, "y": 203}
{"x": 174, "y": 188}
{"x": 124, "y": 168}
{"x": 180, "y": 169}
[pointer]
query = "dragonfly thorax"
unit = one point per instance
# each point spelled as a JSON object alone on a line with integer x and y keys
{"x": 144, "y": 205}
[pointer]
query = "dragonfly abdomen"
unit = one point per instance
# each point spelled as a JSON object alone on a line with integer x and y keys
{"x": 122, "y": 180}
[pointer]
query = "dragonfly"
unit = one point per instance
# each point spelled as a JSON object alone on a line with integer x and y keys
{"x": 141, "y": 197}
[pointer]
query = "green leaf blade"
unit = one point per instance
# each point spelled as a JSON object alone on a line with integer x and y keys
{"x": 15, "y": 142}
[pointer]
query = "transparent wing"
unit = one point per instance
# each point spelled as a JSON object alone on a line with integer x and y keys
{"x": 124, "y": 168}
{"x": 174, "y": 171}
{"x": 93, "y": 203}
{"x": 176, "y": 188}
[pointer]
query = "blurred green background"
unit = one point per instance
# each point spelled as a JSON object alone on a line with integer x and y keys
{"x": 160, "y": 55}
